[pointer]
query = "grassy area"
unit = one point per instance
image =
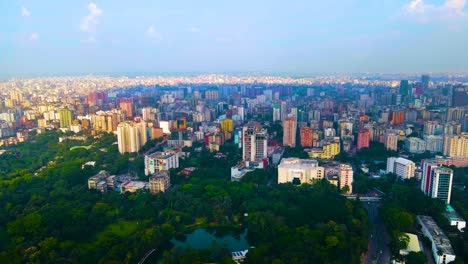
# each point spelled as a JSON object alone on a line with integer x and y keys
{"x": 121, "y": 228}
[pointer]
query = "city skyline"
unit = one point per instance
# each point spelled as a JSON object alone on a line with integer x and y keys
{"x": 300, "y": 38}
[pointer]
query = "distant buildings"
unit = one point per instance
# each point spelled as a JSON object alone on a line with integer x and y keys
{"x": 454, "y": 218}
{"x": 131, "y": 136}
{"x": 299, "y": 171}
{"x": 441, "y": 248}
{"x": 402, "y": 167}
{"x": 160, "y": 161}
{"x": 255, "y": 142}
{"x": 240, "y": 169}
{"x": 289, "y": 132}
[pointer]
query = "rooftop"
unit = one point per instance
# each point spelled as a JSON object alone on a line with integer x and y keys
{"x": 440, "y": 239}
{"x": 295, "y": 163}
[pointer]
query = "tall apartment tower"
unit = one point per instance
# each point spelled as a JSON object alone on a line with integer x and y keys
{"x": 255, "y": 142}
{"x": 289, "y": 132}
{"x": 65, "y": 117}
{"x": 346, "y": 177}
{"x": 456, "y": 145}
{"x": 131, "y": 136}
{"x": 363, "y": 139}
{"x": 306, "y": 136}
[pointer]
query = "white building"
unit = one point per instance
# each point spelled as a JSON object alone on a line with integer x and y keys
{"x": 402, "y": 167}
{"x": 131, "y": 136}
{"x": 454, "y": 218}
{"x": 346, "y": 177}
{"x": 160, "y": 161}
{"x": 254, "y": 142}
{"x": 238, "y": 171}
{"x": 439, "y": 241}
{"x": 299, "y": 171}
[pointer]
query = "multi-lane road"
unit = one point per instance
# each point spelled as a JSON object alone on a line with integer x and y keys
{"x": 378, "y": 250}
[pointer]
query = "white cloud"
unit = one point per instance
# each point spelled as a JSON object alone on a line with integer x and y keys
{"x": 34, "y": 37}
{"x": 89, "y": 22}
{"x": 152, "y": 33}
{"x": 25, "y": 12}
{"x": 193, "y": 29}
{"x": 424, "y": 12}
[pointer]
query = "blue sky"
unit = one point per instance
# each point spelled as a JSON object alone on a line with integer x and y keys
{"x": 299, "y": 37}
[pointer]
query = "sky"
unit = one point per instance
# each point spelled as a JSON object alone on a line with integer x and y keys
{"x": 301, "y": 37}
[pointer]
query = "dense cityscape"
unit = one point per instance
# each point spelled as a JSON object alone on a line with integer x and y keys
{"x": 220, "y": 168}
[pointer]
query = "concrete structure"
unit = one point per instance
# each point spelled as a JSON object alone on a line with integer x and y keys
{"x": 306, "y": 136}
{"x": 329, "y": 150}
{"x": 441, "y": 184}
{"x": 65, "y": 117}
{"x": 456, "y": 145}
{"x": 133, "y": 186}
{"x": 402, "y": 167}
{"x": 299, "y": 171}
{"x": 289, "y": 132}
{"x": 160, "y": 161}
{"x": 346, "y": 177}
{"x": 227, "y": 125}
{"x": 415, "y": 145}
{"x": 131, "y": 136}
{"x": 363, "y": 139}
{"x": 391, "y": 141}
{"x": 434, "y": 143}
{"x": 454, "y": 218}
{"x": 98, "y": 181}
{"x": 255, "y": 142}
{"x": 160, "y": 181}
{"x": 439, "y": 241}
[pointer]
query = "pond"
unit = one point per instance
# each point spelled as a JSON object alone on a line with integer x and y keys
{"x": 203, "y": 238}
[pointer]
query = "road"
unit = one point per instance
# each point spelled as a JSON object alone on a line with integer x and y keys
{"x": 378, "y": 250}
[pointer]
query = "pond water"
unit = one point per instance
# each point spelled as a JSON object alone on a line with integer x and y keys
{"x": 203, "y": 239}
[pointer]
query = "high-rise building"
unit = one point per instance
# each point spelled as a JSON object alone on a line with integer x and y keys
{"x": 254, "y": 142}
{"x": 131, "y": 136}
{"x": 404, "y": 87}
{"x": 276, "y": 112}
{"x": 299, "y": 171}
{"x": 391, "y": 141}
{"x": 456, "y": 145}
{"x": 425, "y": 82}
{"x": 65, "y": 117}
{"x": 160, "y": 181}
{"x": 127, "y": 105}
{"x": 363, "y": 139}
{"x": 161, "y": 161}
{"x": 441, "y": 184}
{"x": 306, "y": 137}
{"x": 346, "y": 177}
{"x": 402, "y": 167}
{"x": 227, "y": 125}
{"x": 289, "y": 132}
{"x": 459, "y": 96}
{"x": 211, "y": 94}
{"x": 284, "y": 110}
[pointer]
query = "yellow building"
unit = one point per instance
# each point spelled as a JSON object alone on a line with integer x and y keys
{"x": 456, "y": 146}
{"x": 328, "y": 151}
{"x": 227, "y": 125}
